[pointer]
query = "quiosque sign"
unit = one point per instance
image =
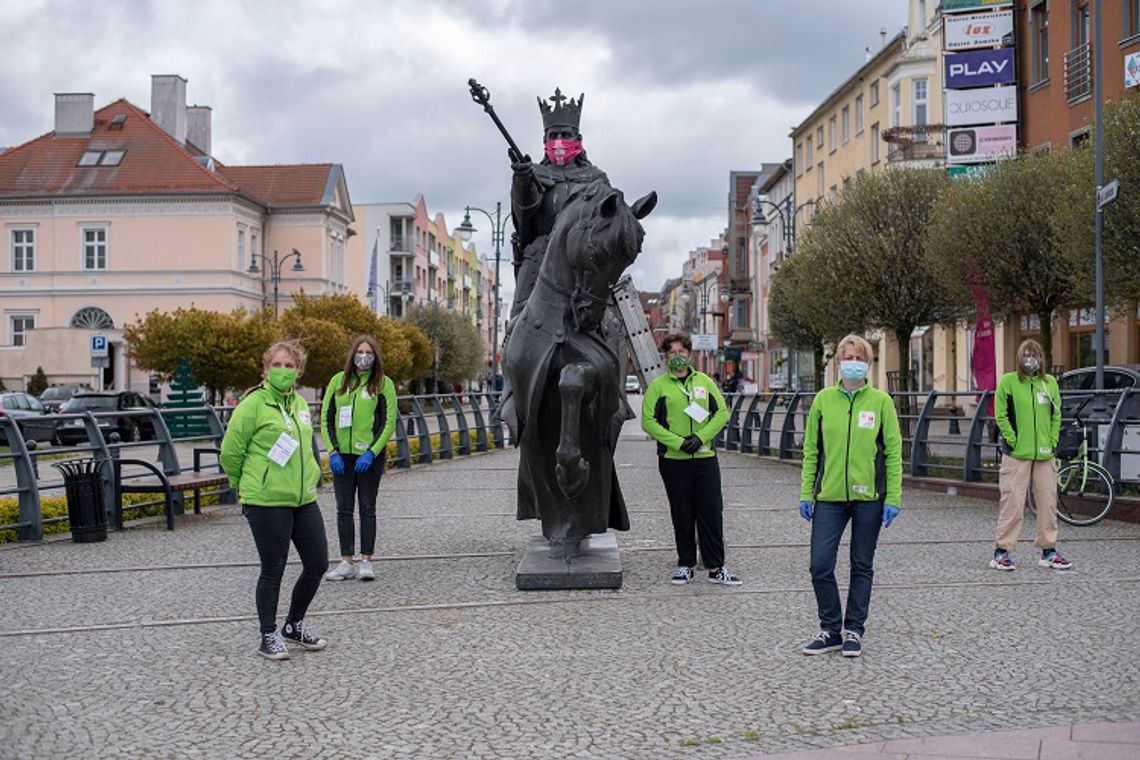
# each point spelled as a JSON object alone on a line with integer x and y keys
{"x": 979, "y": 68}
{"x": 986, "y": 105}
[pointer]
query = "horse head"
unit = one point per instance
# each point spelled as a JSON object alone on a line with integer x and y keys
{"x": 596, "y": 237}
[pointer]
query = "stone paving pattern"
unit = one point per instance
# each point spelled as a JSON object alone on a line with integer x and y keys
{"x": 144, "y": 646}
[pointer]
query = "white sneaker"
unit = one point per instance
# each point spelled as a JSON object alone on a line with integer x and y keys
{"x": 365, "y": 572}
{"x": 341, "y": 572}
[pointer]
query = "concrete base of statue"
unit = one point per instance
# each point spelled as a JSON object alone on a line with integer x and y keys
{"x": 598, "y": 565}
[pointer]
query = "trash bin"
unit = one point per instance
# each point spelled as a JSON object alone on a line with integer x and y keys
{"x": 84, "y": 485}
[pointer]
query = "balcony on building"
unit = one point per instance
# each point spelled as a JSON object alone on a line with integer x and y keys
{"x": 1078, "y": 74}
{"x": 916, "y": 147}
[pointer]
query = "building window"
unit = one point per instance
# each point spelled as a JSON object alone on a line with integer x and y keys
{"x": 18, "y": 326}
{"x": 874, "y": 93}
{"x": 896, "y": 104}
{"x": 810, "y": 155}
{"x": 1131, "y": 18}
{"x": 1039, "y": 41}
{"x": 820, "y": 180}
{"x": 94, "y": 248}
{"x": 241, "y": 250}
{"x": 254, "y": 245}
{"x": 799, "y": 159}
{"x": 831, "y": 143}
{"x": 845, "y": 123}
{"x": 921, "y": 102}
{"x": 859, "y": 115}
{"x": 23, "y": 250}
{"x": 101, "y": 157}
{"x": 819, "y": 139}
{"x": 875, "y": 148}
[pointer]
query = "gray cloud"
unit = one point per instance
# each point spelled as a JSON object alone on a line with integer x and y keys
{"x": 677, "y": 93}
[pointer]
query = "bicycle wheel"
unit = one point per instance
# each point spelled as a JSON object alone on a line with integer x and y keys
{"x": 1084, "y": 494}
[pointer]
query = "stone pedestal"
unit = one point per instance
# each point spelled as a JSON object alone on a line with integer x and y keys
{"x": 598, "y": 566}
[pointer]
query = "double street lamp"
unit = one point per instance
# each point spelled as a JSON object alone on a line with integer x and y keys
{"x": 787, "y": 218}
{"x": 464, "y": 231}
{"x": 275, "y": 265}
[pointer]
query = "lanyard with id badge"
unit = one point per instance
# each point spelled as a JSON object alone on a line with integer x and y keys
{"x": 285, "y": 445}
{"x": 695, "y": 411}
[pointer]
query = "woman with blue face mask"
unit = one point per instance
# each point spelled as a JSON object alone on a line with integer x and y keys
{"x": 852, "y": 473}
{"x": 267, "y": 454}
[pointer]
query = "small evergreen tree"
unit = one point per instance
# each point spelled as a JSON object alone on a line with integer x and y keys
{"x": 38, "y": 384}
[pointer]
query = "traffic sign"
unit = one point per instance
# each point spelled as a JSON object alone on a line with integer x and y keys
{"x": 98, "y": 346}
{"x": 1107, "y": 194}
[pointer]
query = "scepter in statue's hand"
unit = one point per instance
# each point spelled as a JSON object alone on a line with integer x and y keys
{"x": 482, "y": 96}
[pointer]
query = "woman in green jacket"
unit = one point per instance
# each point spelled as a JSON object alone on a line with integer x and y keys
{"x": 683, "y": 410}
{"x": 267, "y": 453}
{"x": 358, "y": 416}
{"x": 852, "y": 472}
{"x": 1027, "y": 409}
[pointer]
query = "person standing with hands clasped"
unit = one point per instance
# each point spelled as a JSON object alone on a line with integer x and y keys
{"x": 1027, "y": 408}
{"x": 267, "y": 454}
{"x": 358, "y": 416}
{"x": 683, "y": 410}
{"x": 852, "y": 472}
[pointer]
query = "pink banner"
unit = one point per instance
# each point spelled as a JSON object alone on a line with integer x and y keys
{"x": 984, "y": 363}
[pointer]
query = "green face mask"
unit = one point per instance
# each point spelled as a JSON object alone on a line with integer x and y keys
{"x": 678, "y": 363}
{"x": 282, "y": 378}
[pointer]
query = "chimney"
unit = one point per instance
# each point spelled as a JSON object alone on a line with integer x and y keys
{"x": 198, "y": 127}
{"x": 168, "y": 104}
{"x": 882, "y": 36}
{"x": 74, "y": 113}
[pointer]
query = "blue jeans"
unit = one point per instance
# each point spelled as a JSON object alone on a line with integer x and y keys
{"x": 827, "y": 526}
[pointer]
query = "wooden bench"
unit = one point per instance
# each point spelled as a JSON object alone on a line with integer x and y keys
{"x": 156, "y": 481}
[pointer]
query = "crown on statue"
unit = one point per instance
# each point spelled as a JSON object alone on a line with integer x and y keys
{"x": 566, "y": 111}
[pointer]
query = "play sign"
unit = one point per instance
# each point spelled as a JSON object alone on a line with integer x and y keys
{"x": 979, "y": 68}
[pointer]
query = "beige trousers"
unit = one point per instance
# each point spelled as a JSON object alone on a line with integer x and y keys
{"x": 1013, "y": 484}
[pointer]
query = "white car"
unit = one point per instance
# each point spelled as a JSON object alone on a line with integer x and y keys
{"x": 632, "y": 384}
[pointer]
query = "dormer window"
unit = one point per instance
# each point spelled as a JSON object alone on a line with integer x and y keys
{"x": 112, "y": 158}
{"x": 90, "y": 158}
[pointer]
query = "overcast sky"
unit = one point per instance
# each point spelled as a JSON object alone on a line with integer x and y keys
{"x": 678, "y": 92}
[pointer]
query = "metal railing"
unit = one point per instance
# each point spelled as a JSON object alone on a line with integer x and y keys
{"x": 428, "y": 428}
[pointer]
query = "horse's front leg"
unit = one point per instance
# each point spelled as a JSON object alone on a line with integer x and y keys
{"x": 570, "y": 470}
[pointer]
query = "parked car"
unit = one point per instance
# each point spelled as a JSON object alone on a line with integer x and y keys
{"x": 56, "y": 396}
{"x": 632, "y": 384}
{"x": 133, "y": 428}
{"x": 26, "y": 410}
{"x": 1077, "y": 383}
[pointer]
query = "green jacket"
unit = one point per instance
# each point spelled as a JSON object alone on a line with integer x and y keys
{"x": 663, "y": 413}
{"x": 852, "y": 448}
{"x": 1028, "y": 414}
{"x": 371, "y": 421}
{"x": 257, "y": 423}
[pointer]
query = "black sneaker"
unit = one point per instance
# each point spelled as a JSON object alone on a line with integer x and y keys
{"x": 852, "y": 644}
{"x": 682, "y": 576}
{"x": 297, "y": 633}
{"x": 825, "y": 641}
{"x": 273, "y": 646}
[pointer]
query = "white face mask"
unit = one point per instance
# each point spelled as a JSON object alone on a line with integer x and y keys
{"x": 364, "y": 361}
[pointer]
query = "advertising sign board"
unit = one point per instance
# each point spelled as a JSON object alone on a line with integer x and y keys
{"x": 985, "y": 105}
{"x": 1132, "y": 70}
{"x": 957, "y": 6}
{"x": 704, "y": 341}
{"x": 979, "y": 68}
{"x": 975, "y": 30}
{"x": 971, "y": 145}
{"x": 969, "y": 171}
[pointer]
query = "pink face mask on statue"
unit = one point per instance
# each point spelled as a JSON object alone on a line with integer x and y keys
{"x": 562, "y": 152}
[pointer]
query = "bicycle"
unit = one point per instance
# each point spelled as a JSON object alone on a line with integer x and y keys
{"x": 1086, "y": 491}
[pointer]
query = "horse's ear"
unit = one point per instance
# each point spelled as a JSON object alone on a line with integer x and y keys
{"x": 643, "y": 205}
{"x": 609, "y": 207}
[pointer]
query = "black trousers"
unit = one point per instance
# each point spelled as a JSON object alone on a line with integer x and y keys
{"x": 351, "y": 488}
{"x": 696, "y": 504}
{"x": 273, "y": 528}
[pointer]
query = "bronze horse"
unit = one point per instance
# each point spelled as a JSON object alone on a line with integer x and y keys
{"x": 563, "y": 363}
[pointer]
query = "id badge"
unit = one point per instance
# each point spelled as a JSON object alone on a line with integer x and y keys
{"x": 1043, "y": 397}
{"x": 283, "y": 449}
{"x": 697, "y": 412}
{"x": 345, "y": 417}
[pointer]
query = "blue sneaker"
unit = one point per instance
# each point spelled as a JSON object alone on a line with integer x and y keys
{"x": 852, "y": 644}
{"x": 1002, "y": 561}
{"x": 825, "y": 641}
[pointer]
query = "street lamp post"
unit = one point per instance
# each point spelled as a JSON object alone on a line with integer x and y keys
{"x": 275, "y": 265}
{"x": 465, "y": 231}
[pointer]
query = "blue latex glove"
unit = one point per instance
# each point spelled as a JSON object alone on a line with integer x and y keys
{"x": 807, "y": 509}
{"x": 336, "y": 463}
{"x": 890, "y": 512}
{"x": 364, "y": 461}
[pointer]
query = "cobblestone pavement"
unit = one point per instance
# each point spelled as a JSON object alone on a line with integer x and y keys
{"x": 143, "y": 646}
